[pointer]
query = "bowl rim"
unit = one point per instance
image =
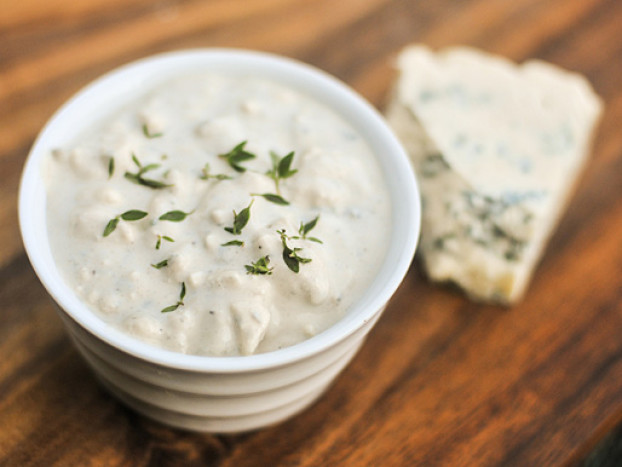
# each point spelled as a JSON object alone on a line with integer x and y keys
{"x": 405, "y": 199}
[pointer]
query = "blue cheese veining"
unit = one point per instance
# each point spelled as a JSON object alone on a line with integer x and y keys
{"x": 497, "y": 148}
{"x": 219, "y": 215}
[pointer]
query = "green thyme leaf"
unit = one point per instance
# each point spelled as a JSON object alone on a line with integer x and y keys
{"x": 276, "y": 199}
{"x": 233, "y": 243}
{"x": 238, "y": 155}
{"x": 182, "y": 294}
{"x": 206, "y": 175}
{"x": 163, "y": 237}
{"x": 161, "y": 264}
{"x": 148, "y": 134}
{"x": 274, "y": 157}
{"x": 308, "y": 227}
{"x": 111, "y": 167}
{"x": 240, "y": 220}
{"x": 284, "y": 166}
{"x": 138, "y": 176}
{"x": 155, "y": 184}
{"x": 299, "y": 258}
{"x": 133, "y": 215}
{"x": 291, "y": 262}
{"x": 111, "y": 226}
{"x": 174, "y": 216}
{"x": 291, "y": 257}
{"x": 132, "y": 177}
{"x": 149, "y": 167}
{"x": 259, "y": 267}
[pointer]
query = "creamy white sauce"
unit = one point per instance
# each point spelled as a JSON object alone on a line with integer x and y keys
{"x": 225, "y": 311}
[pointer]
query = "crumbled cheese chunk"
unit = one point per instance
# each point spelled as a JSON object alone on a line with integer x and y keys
{"x": 497, "y": 148}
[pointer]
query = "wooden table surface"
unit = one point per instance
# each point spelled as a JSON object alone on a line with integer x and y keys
{"x": 440, "y": 380}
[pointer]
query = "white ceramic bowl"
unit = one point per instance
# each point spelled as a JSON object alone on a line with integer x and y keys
{"x": 218, "y": 394}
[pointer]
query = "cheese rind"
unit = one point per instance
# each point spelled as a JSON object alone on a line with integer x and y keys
{"x": 497, "y": 148}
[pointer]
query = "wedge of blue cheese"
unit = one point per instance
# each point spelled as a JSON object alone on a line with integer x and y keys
{"x": 497, "y": 148}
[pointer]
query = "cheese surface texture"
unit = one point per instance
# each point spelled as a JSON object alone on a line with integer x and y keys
{"x": 219, "y": 215}
{"x": 497, "y": 148}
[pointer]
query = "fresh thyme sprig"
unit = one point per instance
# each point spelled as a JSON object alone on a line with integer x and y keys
{"x": 240, "y": 220}
{"x": 162, "y": 237}
{"x": 149, "y": 134}
{"x": 290, "y": 256}
{"x": 161, "y": 264}
{"x": 175, "y": 216}
{"x": 206, "y": 175}
{"x": 179, "y": 303}
{"x": 138, "y": 176}
{"x": 238, "y": 155}
{"x": 304, "y": 229}
{"x": 132, "y": 215}
{"x": 281, "y": 168}
{"x": 259, "y": 267}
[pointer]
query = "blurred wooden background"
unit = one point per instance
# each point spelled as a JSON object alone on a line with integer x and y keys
{"x": 440, "y": 381}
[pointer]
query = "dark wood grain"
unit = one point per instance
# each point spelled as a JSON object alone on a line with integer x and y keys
{"x": 441, "y": 380}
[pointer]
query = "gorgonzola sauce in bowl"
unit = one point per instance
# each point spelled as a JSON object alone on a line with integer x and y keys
{"x": 220, "y": 230}
{"x": 219, "y": 214}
